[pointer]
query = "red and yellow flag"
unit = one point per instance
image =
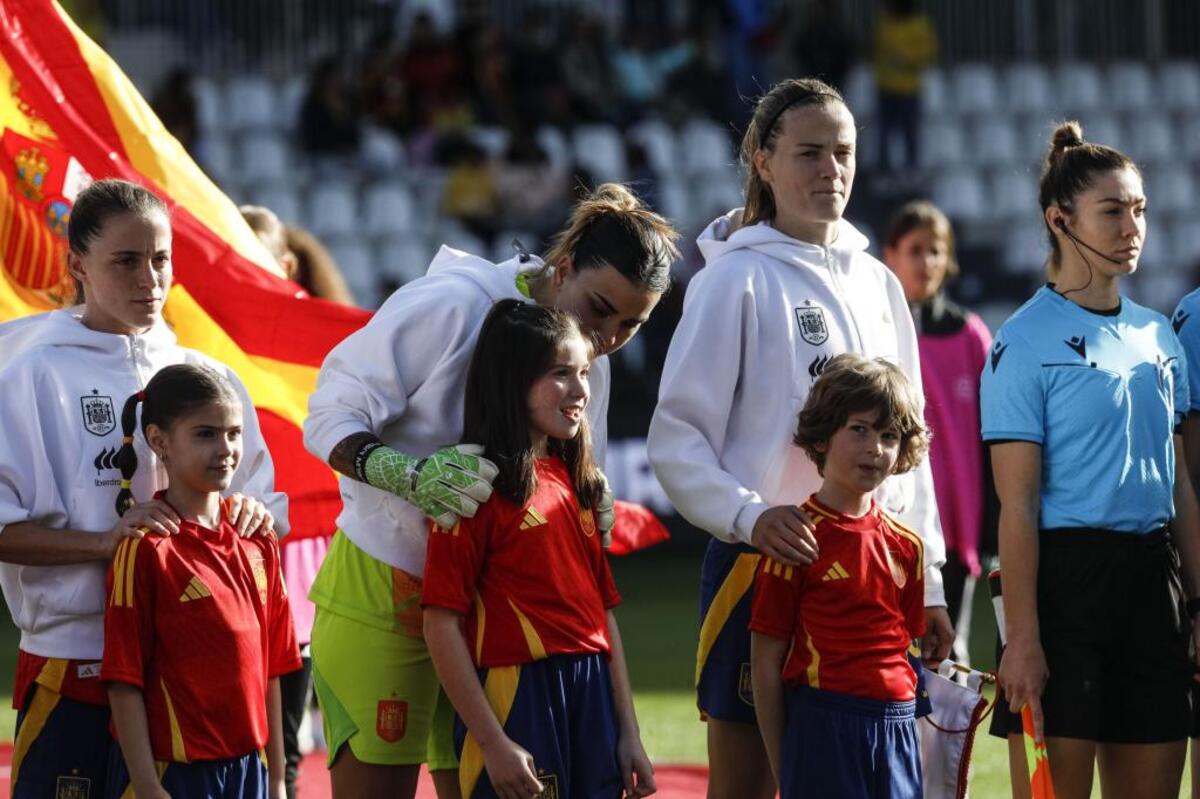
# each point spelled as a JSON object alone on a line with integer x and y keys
{"x": 68, "y": 115}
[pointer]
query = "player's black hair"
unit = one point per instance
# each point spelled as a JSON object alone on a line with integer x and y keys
{"x": 173, "y": 392}
{"x": 517, "y": 345}
{"x": 100, "y": 201}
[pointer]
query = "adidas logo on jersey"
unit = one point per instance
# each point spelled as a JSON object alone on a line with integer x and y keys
{"x": 533, "y": 518}
{"x": 835, "y": 572}
{"x": 195, "y": 590}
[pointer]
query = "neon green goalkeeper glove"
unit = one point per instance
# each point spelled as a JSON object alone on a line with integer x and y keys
{"x": 448, "y": 485}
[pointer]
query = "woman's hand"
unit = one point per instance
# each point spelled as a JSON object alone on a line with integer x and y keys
{"x": 511, "y": 771}
{"x": 248, "y": 515}
{"x": 154, "y": 516}
{"x": 1023, "y": 675}
{"x": 785, "y": 533}
{"x": 637, "y": 773}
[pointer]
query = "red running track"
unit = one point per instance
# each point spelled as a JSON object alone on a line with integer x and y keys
{"x": 674, "y": 782}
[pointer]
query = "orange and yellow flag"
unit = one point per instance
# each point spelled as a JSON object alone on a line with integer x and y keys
{"x": 68, "y": 115}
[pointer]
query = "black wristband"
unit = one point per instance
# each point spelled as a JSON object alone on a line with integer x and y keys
{"x": 360, "y": 459}
{"x": 1192, "y": 606}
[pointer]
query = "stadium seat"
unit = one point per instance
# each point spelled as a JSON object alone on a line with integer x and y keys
{"x": 1170, "y": 190}
{"x": 718, "y": 190}
{"x": 1034, "y": 139}
{"x": 291, "y": 97}
{"x": 994, "y": 141}
{"x": 493, "y": 139}
{"x": 264, "y": 157}
{"x": 601, "y": 150}
{"x": 1130, "y": 87}
{"x": 554, "y": 143}
{"x": 452, "y": 233}
{"x": 675, "y": 203}
{"x": 1027, "y": 88}
{"x": 1079, "y": 87}
{"x": 860, "y": 92}
{"x": 216, "y": 158}
{"x": 209, "y": 102}
{"x": 660, "y": 144}
{"x": 1189, "y": 139}
{"x": 976, "y": 88}
{"x": 1157, "y": 252}
{"x": 403, "y": 258}
{"x": 1026, "y": 248}
{"x": 705, "y": 145}
{"x": 280, "y": 198}
{"x": 1102, "y": 129}
{"x": 943, "y": 143}
{"x": 381, "y": 151}
{"x": 936, "y": 98}
{"x": 333, "y": 210}
{"x": 1013, "y": 195}
{"x": 357, "y": 265}
{"x": 1179, "y": 86}
{"x": 1150, "y": 139}
{"x": 1185, "y": 242}
{"x": 959, "y": 192}
{"x": 251, "y": 104}
{"x": 387, "y": 209}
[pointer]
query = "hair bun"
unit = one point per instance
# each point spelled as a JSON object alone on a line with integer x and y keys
{"x": 1066, "y": 135}
{"x": 614, "y": 196}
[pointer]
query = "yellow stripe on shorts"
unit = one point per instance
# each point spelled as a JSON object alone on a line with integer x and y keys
{"x": 739, "y": 580}
{"x": 500, "y": 687}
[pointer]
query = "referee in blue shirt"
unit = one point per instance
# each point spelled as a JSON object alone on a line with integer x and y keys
{"x": 1082, "y": 400}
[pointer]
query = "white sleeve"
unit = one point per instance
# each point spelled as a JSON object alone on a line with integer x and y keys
{"x": 366, "y": 380}
{"x": 922, "y": 513}
{"x": 256, "y": 474}
{"x": 28, "y": 487}
{"x": 695, "y": 397}
{"x": 597, "y": 411}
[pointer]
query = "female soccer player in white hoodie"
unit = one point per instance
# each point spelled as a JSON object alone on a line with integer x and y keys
{"x": 64, "y": 377}
{"x": 788, "y": 285}
{"x": 388, "y": 405}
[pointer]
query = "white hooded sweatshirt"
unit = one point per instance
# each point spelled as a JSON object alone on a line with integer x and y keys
{"x": 403, "y": 377}
{"x": 760, "y": 322}
{"x": 62, "y": 387}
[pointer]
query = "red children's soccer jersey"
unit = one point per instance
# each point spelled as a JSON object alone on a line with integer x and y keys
{"x": 200, "y": 622}
{"x": 853, "y": 613}
{"x": 532, "y": 580}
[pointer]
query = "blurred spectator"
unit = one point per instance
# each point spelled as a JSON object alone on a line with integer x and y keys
{"x": 175, "y": 104}
{"x": 820, "y": 44}
{"x": 470, "y": 191}
{"x": 532, "y": 193}
{"x": 905, "y": 44}
{"x": 643, "y": 71}
{"x": 329, "y": 117}
{"x": 491, "y": 90}
{"x": 384, "y": 95}
{"x": 749, "y": 37}
{"x": 433, "y": 74}
{"x": 302, "y": 257}
{"x": 587, "y": 70}
{"x": 536, "y": 74}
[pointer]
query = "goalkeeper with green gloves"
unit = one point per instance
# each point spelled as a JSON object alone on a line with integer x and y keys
{"x": 388, "y": 403}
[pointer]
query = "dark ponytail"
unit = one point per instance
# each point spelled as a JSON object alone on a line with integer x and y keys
{"x": 173, "y": 392}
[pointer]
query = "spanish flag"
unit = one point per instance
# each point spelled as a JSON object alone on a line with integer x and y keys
{"x": 69, "y": 116}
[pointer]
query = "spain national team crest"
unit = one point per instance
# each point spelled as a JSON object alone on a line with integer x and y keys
{"x": 746, "y": 685}
{"x": 811, "y": 320}
{"x": 588, "y": 520}
{"x": 260, "y": 577}
{"x": 72, "y": 788}
{"x": 99, "y": 418}
{"x": 391, "y": 719}
{"x": 549, "y": 785}
{"x": 898, "y": 575}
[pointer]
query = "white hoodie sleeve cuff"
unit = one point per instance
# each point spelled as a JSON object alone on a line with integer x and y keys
{"x": 743, "y": 525}
{"x": 935, "y": 591}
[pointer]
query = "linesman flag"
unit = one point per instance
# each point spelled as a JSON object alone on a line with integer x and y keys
{"x": 68, "y": 115}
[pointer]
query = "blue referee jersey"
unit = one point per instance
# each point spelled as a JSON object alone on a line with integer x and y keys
{"x": 1186, "y": 322}
{"x": 1102, "y": 393}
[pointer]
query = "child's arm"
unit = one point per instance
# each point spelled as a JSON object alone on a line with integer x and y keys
{"x": 631, "y": 755}
{"x": 510, "y": 768}
{"x": 276, "y": 760}
{"x": 129, "y": 717}
{"x": 767, "y": 655}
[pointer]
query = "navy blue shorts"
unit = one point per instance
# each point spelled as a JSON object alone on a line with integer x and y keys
{"x": 242, "y": 777}
{"x": 62, "y": 748}
{"x": 849, "y": 747}
{"x": 723, "y": 658}
{"x": 561, "y": 711}
{"x": 723, "y": 689}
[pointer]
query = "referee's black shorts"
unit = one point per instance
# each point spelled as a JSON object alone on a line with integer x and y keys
{"x": 1116, "y": 637}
